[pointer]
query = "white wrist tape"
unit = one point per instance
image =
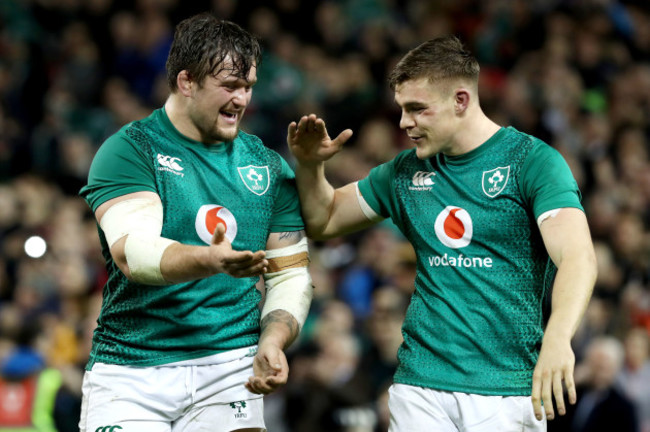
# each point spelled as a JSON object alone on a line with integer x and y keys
{"x": 139, "y": 219}
{"x": 288, "y": 286}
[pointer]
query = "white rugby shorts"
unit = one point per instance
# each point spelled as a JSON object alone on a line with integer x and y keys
{"x": 183, "y": 396}
{"x": 423, "y": 409}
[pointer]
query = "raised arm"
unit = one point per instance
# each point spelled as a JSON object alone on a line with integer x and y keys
{"x": 327, "y": 212}
{"x": 132, "y": 225}
{"x": 568, "y": 242}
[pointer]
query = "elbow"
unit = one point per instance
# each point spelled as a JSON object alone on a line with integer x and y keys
{"x": 119, "y": 257}
{"x": 315, "y": 234}
{"x": 319, "y": 233}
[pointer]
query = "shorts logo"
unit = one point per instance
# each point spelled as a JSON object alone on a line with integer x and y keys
{"x": 422, "y": 181}
{"x": 239, "y": 406}
{"x": 495, "y": 181}
{"x": 209, "y": 216}
{"x": 170, "y": 164}
{"x": 454, "y": 227}
{"x": 108, "y": 428}
{"x": 255, "y": 178}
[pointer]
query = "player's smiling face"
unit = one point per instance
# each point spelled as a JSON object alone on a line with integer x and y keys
{"x": 219, "y": 104}
{"x": 428, "y": 116}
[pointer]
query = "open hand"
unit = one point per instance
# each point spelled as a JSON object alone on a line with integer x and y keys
{"x": 310, "y": 143}
{"x": 237, "y": 264}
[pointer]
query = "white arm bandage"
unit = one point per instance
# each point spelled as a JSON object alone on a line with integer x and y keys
{"x": 141, "y": 220}
{"x": 366, "y": 209}
{"x": 546, "y": 215}
{"x": 288, "y": 284}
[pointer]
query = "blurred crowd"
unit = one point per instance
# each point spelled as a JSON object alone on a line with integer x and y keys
{"x": 575, "y": 73}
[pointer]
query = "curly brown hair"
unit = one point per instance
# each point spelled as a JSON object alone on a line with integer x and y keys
{"x": 201, "y": 45}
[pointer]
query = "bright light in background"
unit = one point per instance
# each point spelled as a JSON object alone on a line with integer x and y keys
{"x": 35, "y": 246}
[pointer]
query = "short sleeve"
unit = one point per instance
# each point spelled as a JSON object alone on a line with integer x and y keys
{"x": 118, "y": 168}
{"x": 547, "y": 182}
{"x": 376, "y": 188}
{"x": 286, "y": 211}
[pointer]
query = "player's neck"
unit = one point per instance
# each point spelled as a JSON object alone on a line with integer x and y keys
{"x": 176, "y": 115}
{"x": 473, "y": 132}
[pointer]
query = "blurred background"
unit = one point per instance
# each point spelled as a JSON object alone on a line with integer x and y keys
{"x": 575, "y": 73}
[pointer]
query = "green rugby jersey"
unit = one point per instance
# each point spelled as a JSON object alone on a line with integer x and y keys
{"x": 475, "y": 321}
{"x": 242, "y": 184}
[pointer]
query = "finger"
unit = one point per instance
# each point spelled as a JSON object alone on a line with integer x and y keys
{"x": 311, "y": 123}
{"x": 252, "y": 266}
{"x": 319, "y": 126}
{"x": 342, "y": 138}
{"x": 254, "y": 385}
{"x": 274, "y": 362}
{"x": 243, "y": 259}
{"x": 291, "y": 131}
{"x": 302, "y": 124}
{"x": 558, "y": 393}
{"x": 256, "y": 270}
{"x": 219, "y": 234}
{"x": 259, "y": 385}
{"x": 547, "y": 384}
{"x": 570, "y": 385}
{"x": 282, "y": 374}
{"x": 234, "y": 258}
{"x": 536, "y": 396}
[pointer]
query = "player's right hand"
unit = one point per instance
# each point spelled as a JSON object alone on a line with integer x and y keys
{"x": 239, "y": 264}
{"x": 310, "y": 143}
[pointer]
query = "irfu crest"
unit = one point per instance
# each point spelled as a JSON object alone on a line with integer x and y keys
{"x": 255, "y": 178}
{"x": 495, "y": 181}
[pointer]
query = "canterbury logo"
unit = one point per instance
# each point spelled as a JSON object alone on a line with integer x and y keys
{"x": 423, "y": 178}
{"x": 169, "y": 162}
{"x": 108, "y": 428}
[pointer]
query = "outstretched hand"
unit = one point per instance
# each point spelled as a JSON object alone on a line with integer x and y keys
{"x": 237, "y": 264}
{"x": 310, "y": 143}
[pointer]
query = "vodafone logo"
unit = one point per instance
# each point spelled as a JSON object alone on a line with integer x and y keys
{"x": 454, "y": 227}
{"x": 207, "y": 219}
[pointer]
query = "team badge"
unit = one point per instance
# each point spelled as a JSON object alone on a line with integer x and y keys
{"x": 209, "y": 216}
{"x": 495, "y": 181}
{"x": 255, "y": 178}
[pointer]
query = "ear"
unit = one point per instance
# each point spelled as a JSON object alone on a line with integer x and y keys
{"x": 184, "y": 83}
{"x": 461, "y": 100}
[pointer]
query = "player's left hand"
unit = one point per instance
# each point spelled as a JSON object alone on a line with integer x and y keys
{"x": 270, "y": 368}
{"x": 553, "y": 372}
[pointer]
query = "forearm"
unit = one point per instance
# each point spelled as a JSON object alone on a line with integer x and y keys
{"x": 163, "y": 262}
{"x": 571, "y": 293}
{"x": 279, "y": 328}
{"x": 316, "y": 198}
{"x": 182, "y": 263}
{"x": 179, "y": 262}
